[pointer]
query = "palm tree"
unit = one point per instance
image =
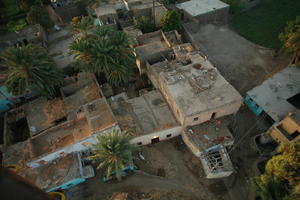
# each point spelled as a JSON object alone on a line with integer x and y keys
{"x": 112, "y": 152}
{"x": 82, "y": 25}
{"x": 31, "y": 69}
{"x": 104, "y": 51}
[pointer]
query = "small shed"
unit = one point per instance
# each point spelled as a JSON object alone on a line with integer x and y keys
{"x": 204, "y": 11}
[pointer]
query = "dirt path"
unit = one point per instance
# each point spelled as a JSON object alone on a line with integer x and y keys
{"x": 181, "y": 178}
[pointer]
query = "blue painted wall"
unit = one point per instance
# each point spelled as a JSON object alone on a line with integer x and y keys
{"x": 67, "y": 185}
{"x": 256, "y": 109}
{"x": 5, "y": 105}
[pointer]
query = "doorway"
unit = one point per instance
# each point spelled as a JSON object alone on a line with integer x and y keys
{"x": 213, "y": 115}
{"x": 154, "y": 140}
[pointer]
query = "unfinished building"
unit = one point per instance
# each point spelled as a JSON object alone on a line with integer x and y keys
{"x": 141, "y": 8}
{"x": 60, "y": 126}
{"x": 209, "y": 142}
{"x": 147, "y": 118}
{"x": 193, "y": 87}
{"x": 107, "y": 15}
{"x": 33, "y": 34}
{"x": 154, "y": 46}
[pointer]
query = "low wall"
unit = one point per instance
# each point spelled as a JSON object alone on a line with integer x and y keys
{"x": 228, "y": 109}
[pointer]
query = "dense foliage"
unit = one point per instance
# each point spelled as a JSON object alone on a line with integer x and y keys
{"x": 112, "y": 152}
{"x": 281, "y": 180}
{"x": 170, "y": 21}
{"x": 105, "y": 51}
{"x": 31, "y": 69}
{"x": 16, "y": 25}
{"x": 145, "y": 24}
{"x": 290, "y": 37}
{"x": 39, "y": 15}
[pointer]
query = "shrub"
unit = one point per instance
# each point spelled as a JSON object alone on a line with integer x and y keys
{"x": 16, "y": 25}
{"x": 170, "y": 21}
{"x": 145, "y": 24}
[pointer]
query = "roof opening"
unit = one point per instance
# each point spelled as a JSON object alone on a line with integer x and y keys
{"x": 295, "y": 100}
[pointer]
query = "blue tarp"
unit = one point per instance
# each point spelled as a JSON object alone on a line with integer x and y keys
{"x": 4, "y": 92}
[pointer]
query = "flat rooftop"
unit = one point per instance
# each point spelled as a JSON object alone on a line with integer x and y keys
{"x": 132, "y": 31}
{"x": 209, "y": 134}
{"x": 196, "y": 86}
{"x": 144, "y": 114}
{"x": 58, "y": 137}
{"x": 273, "y": 94}
{"x": 17, "y": 154}
{"x": 56, "y": 173}
{"x": 80, "y": 90}
{"x": 30, "y": 32}
{"x": 106, "y": 9}
{"x": 99, "y": 114}
{"x": 42, "y": 114}
{"x": 200, "y": 7}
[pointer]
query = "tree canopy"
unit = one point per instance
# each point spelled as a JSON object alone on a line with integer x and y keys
{"x": 290, "y": 39}
{"x": 281, "y": 180}
{"x": 39, "y": 15}
{"x": 170, "y": 21}
{"x": 31, "y": 69}
{"x": 105, "y": 51}
{"x": 112, "y": 151}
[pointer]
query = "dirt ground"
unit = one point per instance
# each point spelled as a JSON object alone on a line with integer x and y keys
{"x": 146, "y": 194}
{"x": 183, "y": 175}
{"x": 169, "y": 167}
{"x": 241, "y": 62}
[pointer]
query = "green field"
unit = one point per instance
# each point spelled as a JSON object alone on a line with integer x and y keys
{"x": 263, "y": 23}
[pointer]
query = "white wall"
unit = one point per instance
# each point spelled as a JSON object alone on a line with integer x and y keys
{"x": 162, "y": 134}
{"x": 228, "y": 109}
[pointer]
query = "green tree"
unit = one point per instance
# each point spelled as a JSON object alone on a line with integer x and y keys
{"x": 291, "y": 27}
{"x": 31, "y": 69}
{"x": 170, "y": 21}
{"x": 145, "y": 24}
{"x": 105, "y": 51}
{"x": 281, "y": 180}
{"x": 290, "y": 39}
{"x": 112, "y": 152}
{"x": 82, "y": 25}
{"x": 39, "y": 15}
